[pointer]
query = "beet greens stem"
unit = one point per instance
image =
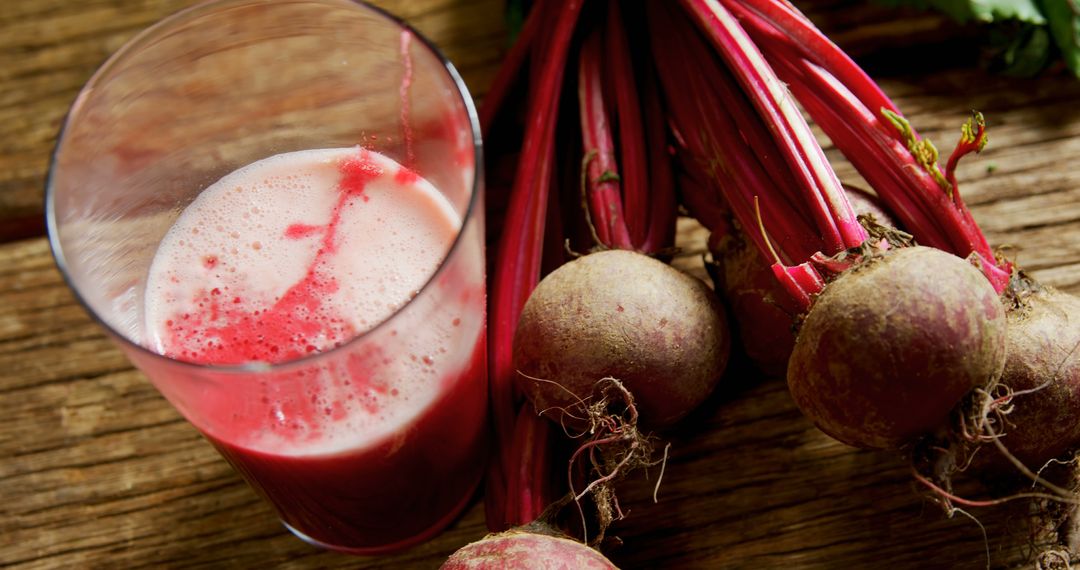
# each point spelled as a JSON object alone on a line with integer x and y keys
{"x": 603, "y": 181}
{"x": 870, "y": 131}
{"x": 972, "y": 139}
{"x": 620, "y": 89}
{"x": 661, "y": 208}
{"x": 822, "y": 191}
{"x": 724, "y": 162}
{"x": 517, "y": 266}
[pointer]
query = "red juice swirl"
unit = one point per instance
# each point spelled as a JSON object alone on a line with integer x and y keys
{"x": 222, "y": 316}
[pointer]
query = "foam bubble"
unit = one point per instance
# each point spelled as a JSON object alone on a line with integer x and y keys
{"x": 414, "y": 222}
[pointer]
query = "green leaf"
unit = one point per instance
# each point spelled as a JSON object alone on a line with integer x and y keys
{"x": 981, "y": 10}
{"x": 1024, "y": 33}
{"x": 1020, "y": 52}
{"x": 516, "y": 12}
{"x": 1064, "y": 16}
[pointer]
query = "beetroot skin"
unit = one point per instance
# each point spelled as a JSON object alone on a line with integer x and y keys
{"x": 764, "y": 313}
{"x": 864, "y": 203}
{"x": 1043, "y": 346}
{"x": 893, "y": 344}
{"x": 523, "y": 550}
{"x": 616, "y": 313}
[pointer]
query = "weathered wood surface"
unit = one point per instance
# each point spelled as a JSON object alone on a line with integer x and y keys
{"x": 50, "y": 48}
{"x": 96, "y": 470}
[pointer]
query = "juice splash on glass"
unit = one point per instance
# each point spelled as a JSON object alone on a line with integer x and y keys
{"x": 293, "y": 256}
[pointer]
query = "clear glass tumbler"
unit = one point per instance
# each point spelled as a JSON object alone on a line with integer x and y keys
{"x": 366, "y": 437}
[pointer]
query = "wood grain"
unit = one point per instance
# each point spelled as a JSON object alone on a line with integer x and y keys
{"x": 50, "y": 48}
{"x": 98, "y": 471}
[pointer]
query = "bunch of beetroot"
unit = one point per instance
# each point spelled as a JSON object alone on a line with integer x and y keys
{"x": 921, "y": 339}
{"x": 942, "y": 352}
{"x": 893, "y": 336}
{"x": 582, "y": 193}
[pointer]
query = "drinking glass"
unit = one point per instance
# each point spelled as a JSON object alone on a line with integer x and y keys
{"x": 348, "y": 461}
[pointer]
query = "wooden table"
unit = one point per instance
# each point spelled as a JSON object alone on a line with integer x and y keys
{"x": 97, "y": 470}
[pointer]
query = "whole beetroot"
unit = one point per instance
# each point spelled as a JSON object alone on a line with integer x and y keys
{"x": 764, "y": 314}
{"x": 620, "y": 314}
{"x": 893, "y": 344}
{"x": 1042, "y": 371}
{"x": 525, "y": 550}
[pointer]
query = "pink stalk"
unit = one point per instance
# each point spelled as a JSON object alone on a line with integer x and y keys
{"x": 850, "y": 126}
{"x": 700, "y": 194}
{"x": 836, "y": 219}
{"x": 660, "y": 232}
{"x": 709, "y": 136}
{"x": 785, "y": 204}
{"x": 721, "y": 92}
{"x": 517, "y": 266}
{"x": 881, "y": 144}
{"x": 972, "y": 139}
{"x": 603, "y": 182}
{"x": 527, "y": 485}
{"x": 700, "y": 197}
{"x": 554, "y": 232}
{"x": 801, "y": 32}
{"x": 801, "y": 282}
{"x": 621, "y": 89}
{"x": 706, "y": 209}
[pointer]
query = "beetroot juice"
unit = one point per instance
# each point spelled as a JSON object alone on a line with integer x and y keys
{"x": 343, "y": 325}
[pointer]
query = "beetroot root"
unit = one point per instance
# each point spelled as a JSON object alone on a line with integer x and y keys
{"x": 893, "y": 344}
{"x": 620, "y": 314}
{"x": 523, "y": 550}
{"x": 1042, "y": 370}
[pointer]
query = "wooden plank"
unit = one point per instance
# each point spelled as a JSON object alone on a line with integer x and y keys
{"x": 49, "y": 49}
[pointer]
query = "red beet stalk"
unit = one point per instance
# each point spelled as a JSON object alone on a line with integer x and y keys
{"x": 512, "y": 494}
{"x": 630, "y": 206}
{"x": 660, "y": 231}
{"x": 709, "y": 109}
{"x": 868, "y": 128}
{"x": 626, "y": 109}
{"x": 627, "y": 179}
{"x": 602, "y": 178}
{"x": 834, "y": 215}
{"x": 747, "y": 139}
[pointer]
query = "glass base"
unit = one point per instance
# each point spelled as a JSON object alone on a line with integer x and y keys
{"x": 424, "y": 535}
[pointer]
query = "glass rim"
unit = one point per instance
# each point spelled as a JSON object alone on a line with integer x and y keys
{"x": 52, "y": 228}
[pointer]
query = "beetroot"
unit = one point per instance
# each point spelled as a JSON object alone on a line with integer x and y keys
{"x": 866, "y": 204}
{"x": 1042, "y": 372}
{"x": 893, "y": 344}
{"x": 592, "y": 174}
{"x": 763, "y": 312}
{"x": 894, "y": 335}
{"x": 527, "y": 550}
{"x": 624, "y": 315}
